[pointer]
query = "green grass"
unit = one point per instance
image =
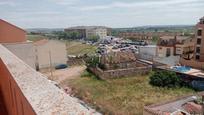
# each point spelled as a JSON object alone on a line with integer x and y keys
{"x": 35, "y": 37}
{"x": 77, "y": 48}
{"x": 122, "y": 96}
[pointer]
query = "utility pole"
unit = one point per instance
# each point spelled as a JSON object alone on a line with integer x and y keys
{"x": 51, "y": 65}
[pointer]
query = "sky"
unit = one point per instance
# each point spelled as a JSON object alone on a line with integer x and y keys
{"x": 112, "y": 13}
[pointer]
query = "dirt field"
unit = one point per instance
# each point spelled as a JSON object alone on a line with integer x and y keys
{"x": 65, "y": 74}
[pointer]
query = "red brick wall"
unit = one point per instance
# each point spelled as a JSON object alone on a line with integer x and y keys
{"x": 15, "y": 101}
{"x": 10, "y": 33}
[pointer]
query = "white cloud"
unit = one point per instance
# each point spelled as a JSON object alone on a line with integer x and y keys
{"x": 137, "y": 4}
{"x": 8, "y": 3}
{"x": 65, "y": 2}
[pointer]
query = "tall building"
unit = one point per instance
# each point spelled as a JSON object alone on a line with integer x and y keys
{"x": 198, "y": 56}
{"x": 199, "y": 52}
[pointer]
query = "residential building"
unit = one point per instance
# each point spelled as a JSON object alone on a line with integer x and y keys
{"x": 166, "y": 46}
{"x": 79, "y": 29}
{"x": 50, "y": 53}
{"x": 14, "y": 39}
{"x": 198, "y": 55}
{"x": 174, "y": 45}
{"x": 10, "y": 33}
{"x": 145, "y": 36}
{"x": 199, "y": 52}
{"x": 88, "y": 31}
{"x": 101, "y": 32}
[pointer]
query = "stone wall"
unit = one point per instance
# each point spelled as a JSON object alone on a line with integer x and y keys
{"x": 118, "y": 73}
{"x": 192, "y": 63}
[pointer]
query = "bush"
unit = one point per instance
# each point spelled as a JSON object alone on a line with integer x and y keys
{"x": 86, "y": 73}
{"x": 165, "y": 79}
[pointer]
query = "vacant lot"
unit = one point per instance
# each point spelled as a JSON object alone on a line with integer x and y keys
{"x": 35, "y": 37}
{"x": 78, "y": 48}
{"x": 122, "y": 96}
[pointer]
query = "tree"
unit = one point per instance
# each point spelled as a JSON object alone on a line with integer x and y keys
{"x": 92, "y": 61}
{"x": 94, "y": 38}
{"x": 155, "y": 39}
{"x": 165, "y": 79}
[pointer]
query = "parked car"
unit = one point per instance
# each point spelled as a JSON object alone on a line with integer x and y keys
{"x": 61, "y": 66}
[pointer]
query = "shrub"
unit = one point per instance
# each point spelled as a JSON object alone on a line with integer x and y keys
{"x": 165, "y": 79}
{"x": 86, "y": 73}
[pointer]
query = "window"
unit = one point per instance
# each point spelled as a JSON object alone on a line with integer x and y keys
{"x": 197, "y": 57}
{"x": 199, "y": 33}
{"x": 198, "y": 50}
{"x": 168, "y": 52}
{"x": 199, "y": 41}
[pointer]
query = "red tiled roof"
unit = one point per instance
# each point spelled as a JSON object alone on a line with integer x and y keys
{"x": 193, "y": 108}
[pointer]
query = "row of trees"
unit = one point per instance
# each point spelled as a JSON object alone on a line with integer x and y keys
{"x": 67, "y": 35}
{"x": 74, "y": 36}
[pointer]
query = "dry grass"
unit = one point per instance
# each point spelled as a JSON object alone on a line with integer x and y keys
{"x": 35, "y": 37}
{"x": 122, "y": 96}
{"x": 77, "y": 48}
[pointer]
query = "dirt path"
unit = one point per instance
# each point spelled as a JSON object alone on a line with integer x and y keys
{"x": 65, "y": 74}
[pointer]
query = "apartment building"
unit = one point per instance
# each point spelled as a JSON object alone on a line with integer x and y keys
{"x": 198, "y": 57}
{"x": 101, "y": 32}
{"x": 81, "y": 30}
{"x": 145, "y": 35}
{"x": 88, "y": 31}
{"x": 199, "y": 52}
{"x": 175, "y": 45}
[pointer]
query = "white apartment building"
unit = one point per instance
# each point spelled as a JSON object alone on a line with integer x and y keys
{"x": 101, "y": 32}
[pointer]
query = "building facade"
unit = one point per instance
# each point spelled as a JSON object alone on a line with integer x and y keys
{"x": 50, "y": 53}
{"x": 199, "y": 52}
{"x": 89, "y": 31}
{"x": 175, "y": 46}
{"x": 198, "y": 56}
{"x": 101, "y": 32}
{"x": 10, "y": 33}
{"x": 146, "y": 36}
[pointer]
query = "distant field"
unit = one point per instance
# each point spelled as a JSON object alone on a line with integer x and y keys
{"x": 126, "y": 96}
{"x": 35, "y": 37}
{"x": 77, "y": 48}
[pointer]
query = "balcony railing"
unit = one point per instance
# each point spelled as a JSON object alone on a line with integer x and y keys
{"x": 27, "y": 92}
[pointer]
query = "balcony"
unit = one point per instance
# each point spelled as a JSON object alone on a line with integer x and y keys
{"x": 27, "y": 92}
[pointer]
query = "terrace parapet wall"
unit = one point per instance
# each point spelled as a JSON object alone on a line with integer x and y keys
{"x": 27, "y": 92}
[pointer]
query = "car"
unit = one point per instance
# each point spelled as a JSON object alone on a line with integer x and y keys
{"x": 61, "y": 66}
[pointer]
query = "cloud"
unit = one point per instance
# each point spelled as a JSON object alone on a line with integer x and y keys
{"x": 137, "y": 4}
{"x": 65, "y": 2}
{"x": 8, "y": 3}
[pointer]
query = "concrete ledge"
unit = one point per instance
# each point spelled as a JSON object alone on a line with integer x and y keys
{"x": 44, "y": 97}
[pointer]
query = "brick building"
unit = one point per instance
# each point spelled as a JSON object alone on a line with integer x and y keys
{"x": 198, "y": 57}
{"x": 10, "y": 33}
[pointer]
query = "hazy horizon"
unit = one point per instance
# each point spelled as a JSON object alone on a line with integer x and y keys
{"x": 111, "y": 13}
